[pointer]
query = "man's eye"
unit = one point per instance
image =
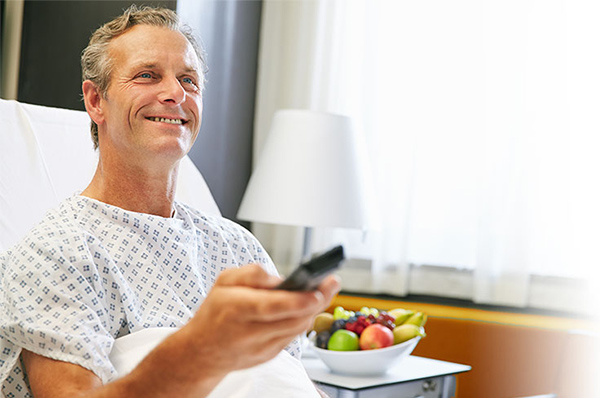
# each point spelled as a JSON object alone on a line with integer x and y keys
{"x": 145, "y": 75}
{"x": 188, "y": 80}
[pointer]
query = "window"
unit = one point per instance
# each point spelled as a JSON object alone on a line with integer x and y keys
{"x": 481, "y": 119}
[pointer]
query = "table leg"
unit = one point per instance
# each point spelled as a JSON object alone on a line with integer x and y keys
{"x": 449, "y": 387}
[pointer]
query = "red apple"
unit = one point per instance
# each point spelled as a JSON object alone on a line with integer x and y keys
{"x": 376, "y": 336}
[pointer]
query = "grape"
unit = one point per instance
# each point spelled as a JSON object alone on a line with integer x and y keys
{"x": 385, "y": 322}
{"x": 339, "y": 312}
{"x": 323, "y": 339}
{"x": 337, "y": 325}
{"x": 358, "y": 325}
{"x": 386, "y": 316}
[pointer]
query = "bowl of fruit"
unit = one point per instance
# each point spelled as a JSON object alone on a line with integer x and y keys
{"x": 368, "y": 342}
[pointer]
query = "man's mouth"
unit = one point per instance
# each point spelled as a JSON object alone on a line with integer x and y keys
{"x": 166, "y": 120}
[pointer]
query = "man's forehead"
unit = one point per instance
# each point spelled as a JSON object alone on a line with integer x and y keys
{"x": 141, "y": 46}
{"x": 149, "y": 63}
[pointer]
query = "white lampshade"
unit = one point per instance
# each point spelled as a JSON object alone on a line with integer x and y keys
{"x": 310, "y": 173}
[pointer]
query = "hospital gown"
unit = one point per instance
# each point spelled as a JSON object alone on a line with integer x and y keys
{"x": 91, "y": 272}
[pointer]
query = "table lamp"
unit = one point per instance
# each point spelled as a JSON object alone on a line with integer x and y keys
{"x": 310, "y": 173}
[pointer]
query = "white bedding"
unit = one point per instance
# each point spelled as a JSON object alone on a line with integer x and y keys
{"x": 283, "y": 376}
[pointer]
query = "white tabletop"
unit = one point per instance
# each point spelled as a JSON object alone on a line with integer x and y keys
{"x": 408, "y": 369}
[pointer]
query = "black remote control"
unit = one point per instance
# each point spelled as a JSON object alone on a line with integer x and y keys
{"x": 310, "y": 274}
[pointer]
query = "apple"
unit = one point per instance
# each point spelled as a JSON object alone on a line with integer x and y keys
{"x": 376, "y": 336}
{"x": 343, "y": 340}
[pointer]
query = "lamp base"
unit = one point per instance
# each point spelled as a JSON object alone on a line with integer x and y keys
{"x": 307, "y": 244}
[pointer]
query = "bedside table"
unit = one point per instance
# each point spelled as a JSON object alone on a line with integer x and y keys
{"x": 412, "y": 377}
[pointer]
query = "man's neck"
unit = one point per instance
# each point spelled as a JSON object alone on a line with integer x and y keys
{"x": 142, "y": 191}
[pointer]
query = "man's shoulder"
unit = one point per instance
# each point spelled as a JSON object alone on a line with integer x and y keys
{"x": 215, "y": 223}
{"x": 244, "y": 246}
{"x": 202, "y": 218}
{"x": 66, "y": 216}
{"x": 57, "y": 234}
{"x": 57, "y": 224}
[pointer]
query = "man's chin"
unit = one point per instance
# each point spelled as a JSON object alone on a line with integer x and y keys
{"x": 172, "y": 149}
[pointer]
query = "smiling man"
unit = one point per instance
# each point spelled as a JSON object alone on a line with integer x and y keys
{"x": 150, "y": 115}
{"x": 123, "y": 256}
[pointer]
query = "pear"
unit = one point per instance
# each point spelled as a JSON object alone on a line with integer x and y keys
{"x": 418, "y": 319}
{"x": 406, "y": 332}
{"x": 322, "y": 322}
{"x": 400, "y": 315}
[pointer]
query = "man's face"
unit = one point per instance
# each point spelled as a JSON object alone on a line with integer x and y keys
{"x": 153, "y": 105}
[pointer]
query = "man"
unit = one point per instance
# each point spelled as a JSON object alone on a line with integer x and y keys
{"x": 123, "y": 256}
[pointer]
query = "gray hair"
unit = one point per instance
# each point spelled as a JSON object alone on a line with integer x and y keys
{"x": 96, "y": 64}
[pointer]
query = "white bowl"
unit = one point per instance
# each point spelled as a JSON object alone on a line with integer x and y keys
{"x": 367, "y": 362}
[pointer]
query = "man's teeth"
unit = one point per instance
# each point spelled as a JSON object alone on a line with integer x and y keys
{"x": 165, "y": 120}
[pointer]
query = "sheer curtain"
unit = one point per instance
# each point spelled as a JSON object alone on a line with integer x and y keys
{"x": 481, "y": 122}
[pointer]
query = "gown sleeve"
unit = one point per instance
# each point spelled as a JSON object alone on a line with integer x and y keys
{"x": 51, "y": 303}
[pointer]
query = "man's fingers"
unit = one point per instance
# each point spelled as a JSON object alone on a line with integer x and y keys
{"x": 285, "y": 329}
{"x": 251, "y": 275}
{"x": 329, "y": 288}
{"x": 269, "y": 305}
{"x": 264, "y": 304}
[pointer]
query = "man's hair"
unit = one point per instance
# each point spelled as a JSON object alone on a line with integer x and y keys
{"x": 96, "y": 64}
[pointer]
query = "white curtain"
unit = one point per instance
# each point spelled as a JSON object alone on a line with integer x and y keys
{"x": 481, "y": 119}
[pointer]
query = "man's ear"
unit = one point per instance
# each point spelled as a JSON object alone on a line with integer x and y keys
{"x": 92, "y": 99}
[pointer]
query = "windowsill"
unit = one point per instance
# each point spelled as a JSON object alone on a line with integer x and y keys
{"x": 552, "y": 296}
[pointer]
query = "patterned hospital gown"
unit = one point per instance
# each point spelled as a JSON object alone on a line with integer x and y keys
{"x": 91, "y": 272}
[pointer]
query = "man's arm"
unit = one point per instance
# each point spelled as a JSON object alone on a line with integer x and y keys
{"x": 242, "y": 323}
{"x": 159, "y": 375}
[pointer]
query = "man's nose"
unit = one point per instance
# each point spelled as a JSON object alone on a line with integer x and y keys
{"x": 172, "y": 91}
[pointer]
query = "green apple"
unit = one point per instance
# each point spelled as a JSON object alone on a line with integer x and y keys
{"x": 343, "y": 340}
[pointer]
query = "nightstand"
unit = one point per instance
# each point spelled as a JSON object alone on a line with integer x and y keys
{"x": 412, "y": 377}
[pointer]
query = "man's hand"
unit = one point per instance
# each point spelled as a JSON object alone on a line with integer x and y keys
{"x": 242, "y": 322}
